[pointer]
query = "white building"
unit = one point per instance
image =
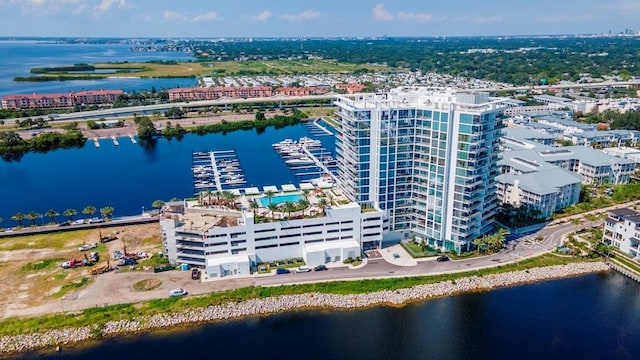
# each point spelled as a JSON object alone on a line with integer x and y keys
{"x": 427, "y": 157}
{"x": 595, "y": 167}
{"x": 622, "y": 230}
{"x": 227, "y": 242}
{"x": 528, "y": 180}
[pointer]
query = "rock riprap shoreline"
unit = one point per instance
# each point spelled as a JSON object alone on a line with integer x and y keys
{"x": 284, "y": 303}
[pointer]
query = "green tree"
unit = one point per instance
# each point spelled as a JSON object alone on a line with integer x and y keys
{"x": 18, "y": 217}
{"x": 146, "y": 129}
{"x": 289, "y": 206}
{"x": 51, "y": 214}
{"x": 260, "y": 116}
{"x": 273, "y": 208}
{"x": 229, "y": 198}
{"x": 32, "y": 216}
{"x": 157, "y": 204}
{"x": 107, "y": 212}
{"x": 323, "y": 203}
{"x": 254, "y": 206}
{"x": 70, "y": 213}
{"x": 269, "y": 195}
{"x": 479, "y": 243}
{"x": 174, "y": 113}
{"x": 304, "y": 204}
{"x": 89, "y": 210}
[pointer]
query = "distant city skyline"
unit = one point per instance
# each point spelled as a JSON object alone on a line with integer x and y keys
{"x": 329, "y": 18}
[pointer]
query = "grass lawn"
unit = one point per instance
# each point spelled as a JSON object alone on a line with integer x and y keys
{"x": 221, "y": 68}
{"x": 56, "y": 241}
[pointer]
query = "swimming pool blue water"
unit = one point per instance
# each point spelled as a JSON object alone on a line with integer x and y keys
{"x": 277, "y": 200}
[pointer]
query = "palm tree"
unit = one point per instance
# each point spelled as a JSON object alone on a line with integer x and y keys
{"x": 229, "y": 198}
{"x": 501, "y": 237}
{"x": 89, "y": 210}
{"x": 289, "y": 206}
{"x": 32, "y": 216}
{"x": 254, "y": 206}
{"x": 70, "y": 213}
{"x": 478, "y": 242}
{"x": 218, "y": 197}
{"x": 304, "y": 203}
{"x": 273, "y": 208}
{"x": 157, "y": 204}
{"x": 107, "y": 212}
{"x": 51, "y": 214}
{"x": 323, "y": 203}
{"x": 269, "y": 194}
{"x": 18, "y": 217}
{"x": 208, "y": 193}
{"x": 201, "y": 195}
{"x": 306, "y": 193}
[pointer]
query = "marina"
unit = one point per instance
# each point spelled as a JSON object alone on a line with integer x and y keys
{"x": 216, "y": 171}
{"x": 307, "y": 159}
{"x": 317, "y": 129}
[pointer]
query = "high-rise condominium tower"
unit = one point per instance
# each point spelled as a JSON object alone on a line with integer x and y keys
{"x": 428, "y": 157}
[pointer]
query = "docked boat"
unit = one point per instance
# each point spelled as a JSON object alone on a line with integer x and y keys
{"x": 300, "y": 161}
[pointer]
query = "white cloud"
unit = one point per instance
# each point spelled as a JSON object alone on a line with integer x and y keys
{"x": 45, "y": 7}
{"x": 419, "y": 17}
{"x": 380, "y": 13}
{"x": 209, "y": 16}
{"x": 106, "y": 5}
{"x": 480, "y": 20}
{"x": 305, "y": 15}
{"x": 263, "y": 16}
{"x": 552, "y": 19}
{"x": 173, "y": 16}
{"x": 624, "y": 5}
{"x": 487, "y": 19}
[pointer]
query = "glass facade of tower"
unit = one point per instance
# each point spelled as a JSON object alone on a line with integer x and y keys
{"x": 428, "y": 158}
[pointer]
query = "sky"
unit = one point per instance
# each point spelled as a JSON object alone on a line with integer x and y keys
{"x": 321, "y": 18}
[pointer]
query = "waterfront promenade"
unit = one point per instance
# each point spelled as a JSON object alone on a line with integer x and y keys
{"x": 284, "y": 303}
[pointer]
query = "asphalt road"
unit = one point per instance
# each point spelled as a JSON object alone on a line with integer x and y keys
{"x": 518, "y": 247}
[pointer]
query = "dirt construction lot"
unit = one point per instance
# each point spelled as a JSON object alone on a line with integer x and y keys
{"x": 34, "y": 283}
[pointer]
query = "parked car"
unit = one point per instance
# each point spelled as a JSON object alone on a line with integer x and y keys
{"x": 282, "y": 271}
{"x": 442, "y": 258}
{"x": 65, "y": 223}
{"x": 195, "y": 274}
{"x": 96, "y": 220}
{"x": 320, "y": 268}
{"x": 303, "y": 269}
{"x": 177, "y": 292}
{"x": 127, "y": 262}
{"x": 86, "y": 247}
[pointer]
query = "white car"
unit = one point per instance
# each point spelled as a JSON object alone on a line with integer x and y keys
{"x": 177, "y": 292}
{"x": 86, "y": 247}
{"x": 303, "y": 269}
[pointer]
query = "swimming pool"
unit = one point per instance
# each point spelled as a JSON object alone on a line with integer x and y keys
{"x": 277, "y": 200}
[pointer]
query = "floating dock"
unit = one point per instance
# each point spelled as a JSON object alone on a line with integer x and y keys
{"x": 216, "y": 171}
{"x": 318, "y": 129}
{"x": 306, "y": 157}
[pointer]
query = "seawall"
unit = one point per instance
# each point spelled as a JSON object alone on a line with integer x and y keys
{"x": 285, "y": 303}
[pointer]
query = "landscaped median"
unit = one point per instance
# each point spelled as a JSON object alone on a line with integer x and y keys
{"x": 95, "y": 323}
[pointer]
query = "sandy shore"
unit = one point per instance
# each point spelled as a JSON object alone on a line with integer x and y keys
{"x": 254, "y": 307}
